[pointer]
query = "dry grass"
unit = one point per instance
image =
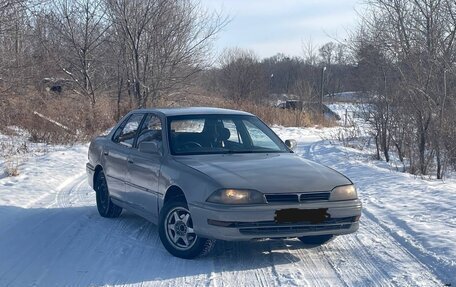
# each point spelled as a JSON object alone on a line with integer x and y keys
{"x": 61, "y": 120}
{"x": 277, "y": 116}
{"x": 269, "y": 114}
{"x": 67, "y": 119}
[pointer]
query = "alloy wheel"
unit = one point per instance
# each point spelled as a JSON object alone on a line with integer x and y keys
{"x": 179, "y": 228}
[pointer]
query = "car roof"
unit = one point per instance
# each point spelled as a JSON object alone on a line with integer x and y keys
{"x": 167, "y": 112}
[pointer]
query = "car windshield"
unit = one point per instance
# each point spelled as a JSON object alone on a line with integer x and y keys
{"x": 218, "y": 134}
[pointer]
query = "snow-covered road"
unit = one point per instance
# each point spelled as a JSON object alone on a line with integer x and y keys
{"x": 52, "y": 235}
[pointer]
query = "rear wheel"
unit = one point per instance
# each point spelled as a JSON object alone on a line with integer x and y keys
{"x": 105, "y": 206}
{"x": 177, "y": 234}
{"x": 316, "y": 240}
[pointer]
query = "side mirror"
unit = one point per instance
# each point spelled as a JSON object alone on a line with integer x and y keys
{"x": 291, "y": 144}
{"x": 149, "y": 147}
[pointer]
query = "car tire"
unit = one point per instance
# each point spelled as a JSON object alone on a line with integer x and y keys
{"x": 316, "y": 240}
{"x": 106, "y": 208}
{"x": 176, "y": 232}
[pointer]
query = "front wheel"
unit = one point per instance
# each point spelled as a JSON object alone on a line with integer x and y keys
{"x": 316, "y": 240}
{"x": 105, "y": 206}
{"x": 177, "y": 234}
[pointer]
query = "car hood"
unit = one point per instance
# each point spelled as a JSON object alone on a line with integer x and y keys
{"x": 268, "y": 173}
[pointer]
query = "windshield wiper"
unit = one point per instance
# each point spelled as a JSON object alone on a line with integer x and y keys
{"x": 227, "y": 151}
{"x": 250, "y": 151}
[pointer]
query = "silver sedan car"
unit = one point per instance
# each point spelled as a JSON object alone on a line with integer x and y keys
{"x": 203, "y": 174}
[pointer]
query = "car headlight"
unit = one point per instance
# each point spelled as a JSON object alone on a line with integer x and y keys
{"x": 344, "y": 192}
{"x": 237, "y": 196}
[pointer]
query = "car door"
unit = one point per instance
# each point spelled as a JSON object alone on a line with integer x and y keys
{"x": 144, "y": 169}
{"x": 116, "y": 155}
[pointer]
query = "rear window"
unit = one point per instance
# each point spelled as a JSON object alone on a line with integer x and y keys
{"x": 187, "y": 125}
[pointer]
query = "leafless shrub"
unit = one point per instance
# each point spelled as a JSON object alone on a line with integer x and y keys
{"x": 12, "y": 150}
{"x": 12, "y": 166}
{"x": 348, "y": 135}
{"x": 405, "y": 51}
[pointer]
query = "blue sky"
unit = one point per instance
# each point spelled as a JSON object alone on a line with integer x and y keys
{"x": 272, "y": 26}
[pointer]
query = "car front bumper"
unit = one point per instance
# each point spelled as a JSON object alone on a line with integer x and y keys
{"x": 257, "y": 221}
{"x": 90, "y": 171}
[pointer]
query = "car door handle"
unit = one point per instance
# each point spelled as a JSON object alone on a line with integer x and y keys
{"x": 106, "y": 153}
{"x": 130, "y": 161}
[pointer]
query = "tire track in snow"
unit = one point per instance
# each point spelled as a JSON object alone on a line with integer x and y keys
{"x": 380, "y": 231}
{"x": 73, "y": 193}
{"x": 246, "y": 263}
{"x": 428, "y": 262}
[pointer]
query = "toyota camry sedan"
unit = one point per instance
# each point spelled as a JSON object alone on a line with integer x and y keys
{"x": 203, "y": 174}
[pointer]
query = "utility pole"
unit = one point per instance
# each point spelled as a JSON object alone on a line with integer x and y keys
{"x": 321, "y": 89}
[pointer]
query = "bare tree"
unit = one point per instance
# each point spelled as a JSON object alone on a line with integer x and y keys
{"x": 310, "y": 54}
{"x": 14, "y": 60}
{"x": 167, "y": 40}
{"x": 240, "y": 75}
{"x": 81, "y": 26}
{"x": 328, "y": 53}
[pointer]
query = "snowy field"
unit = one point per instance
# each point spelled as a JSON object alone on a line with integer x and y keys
{"x": 52, "y": 235}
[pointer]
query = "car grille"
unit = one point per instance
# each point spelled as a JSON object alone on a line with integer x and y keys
{"x": 339, "y": 220}
{"x": 314, "y": 196}
{"x": 292, "y": 229}
{"x": 297, "y": 197}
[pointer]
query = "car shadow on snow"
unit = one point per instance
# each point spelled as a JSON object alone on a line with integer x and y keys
{"x": 75, "y": 246}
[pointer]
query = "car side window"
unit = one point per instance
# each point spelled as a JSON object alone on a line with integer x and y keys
{"x": 151, "y": 130}
{"x": 128, "y": 133}
{"x": 258, "y": 137}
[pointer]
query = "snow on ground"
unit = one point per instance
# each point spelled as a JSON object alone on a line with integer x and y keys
{"x": 52, "y": 235}
{"x": 345, "y": 96}
{"x": 418, "y": 213}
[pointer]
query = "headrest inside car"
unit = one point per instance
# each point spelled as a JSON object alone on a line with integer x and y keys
{"x": 224, "y": 134}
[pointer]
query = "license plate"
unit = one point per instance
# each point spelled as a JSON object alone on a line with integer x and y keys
{"x": 293, "y": 215}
